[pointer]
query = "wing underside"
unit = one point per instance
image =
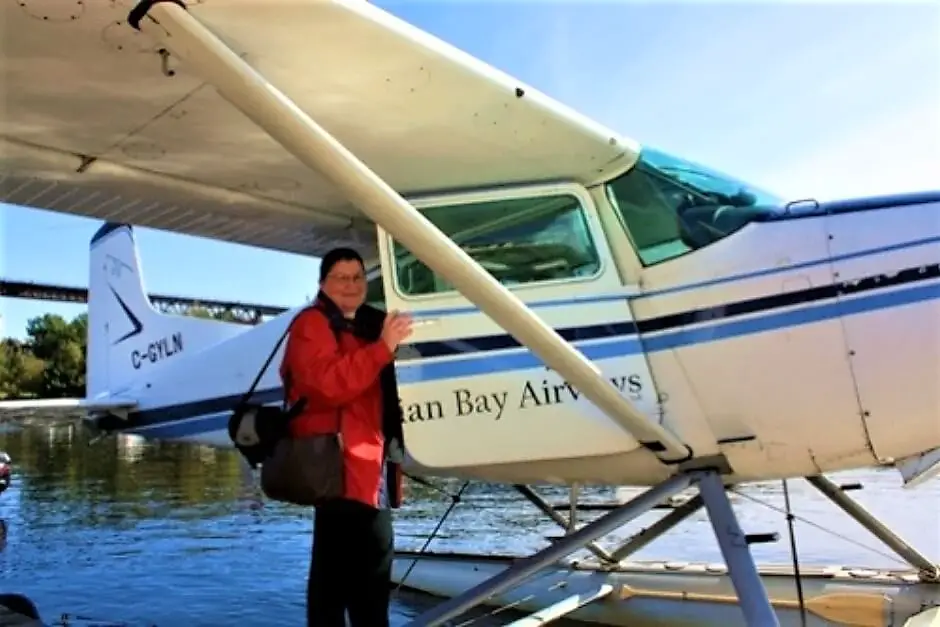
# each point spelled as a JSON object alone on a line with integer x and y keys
{"x": 97, "y": 122}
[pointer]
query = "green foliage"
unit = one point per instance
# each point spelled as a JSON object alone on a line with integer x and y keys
{"x": 51, "y": 362}
{"x": 60, "y": 347}
{"x": 20, "y": 371}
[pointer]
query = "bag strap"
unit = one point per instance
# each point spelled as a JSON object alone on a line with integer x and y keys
{"x": 267, "y": 362}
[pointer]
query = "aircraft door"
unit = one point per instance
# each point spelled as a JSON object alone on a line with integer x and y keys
{"x": 471, "y": 394}
{"x": 885, "y": 265}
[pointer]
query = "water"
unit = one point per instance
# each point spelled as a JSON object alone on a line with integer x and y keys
{"x": 159, "y": 534}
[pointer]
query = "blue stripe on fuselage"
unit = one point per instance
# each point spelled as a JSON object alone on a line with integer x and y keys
{"x": 520, "y": 358}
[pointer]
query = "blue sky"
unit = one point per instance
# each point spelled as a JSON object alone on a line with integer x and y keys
{"x": 803, "y": 99}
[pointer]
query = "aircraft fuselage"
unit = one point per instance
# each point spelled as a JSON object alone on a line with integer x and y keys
{"x": 802, "y": 343}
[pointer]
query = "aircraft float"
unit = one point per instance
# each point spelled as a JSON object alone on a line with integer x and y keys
{"x": 589, "y": 310}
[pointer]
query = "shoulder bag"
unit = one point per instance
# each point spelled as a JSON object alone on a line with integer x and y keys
{"x": 307, "y": 471}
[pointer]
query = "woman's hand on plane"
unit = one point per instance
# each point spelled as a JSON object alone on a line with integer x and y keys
{"x": 395, "y": 329}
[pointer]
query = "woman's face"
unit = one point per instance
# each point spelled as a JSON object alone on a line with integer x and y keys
{"x": 345, "y": 284}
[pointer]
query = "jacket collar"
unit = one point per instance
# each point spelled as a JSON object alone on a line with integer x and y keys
{"x": 325, "y": 304}
{"x": 367, "y": 323}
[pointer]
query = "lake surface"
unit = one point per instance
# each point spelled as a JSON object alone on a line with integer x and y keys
{"x": 149, "y": 533}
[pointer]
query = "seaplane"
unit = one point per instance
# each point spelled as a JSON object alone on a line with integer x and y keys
{"x": 589, "y": 310}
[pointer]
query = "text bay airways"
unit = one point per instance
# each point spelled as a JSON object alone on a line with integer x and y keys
{"x": 465, "y": 402}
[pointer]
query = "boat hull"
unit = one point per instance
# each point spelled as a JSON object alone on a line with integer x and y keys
{"x": 678, "y": 594}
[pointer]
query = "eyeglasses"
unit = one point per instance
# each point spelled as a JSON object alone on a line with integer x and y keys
{"x": 345, "y": 278}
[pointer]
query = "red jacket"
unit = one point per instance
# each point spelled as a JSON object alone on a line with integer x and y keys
{"x": 339, "y": 379}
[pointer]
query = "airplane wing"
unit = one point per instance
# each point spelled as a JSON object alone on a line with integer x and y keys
{"x": 97, "y": 121}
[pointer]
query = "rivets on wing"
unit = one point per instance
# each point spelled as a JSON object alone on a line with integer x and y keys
{"x": 120, "y": 37}
{"x": 53, "y": 10}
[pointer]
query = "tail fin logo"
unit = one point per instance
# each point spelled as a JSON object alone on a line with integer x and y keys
{"x": 134, "y": 320}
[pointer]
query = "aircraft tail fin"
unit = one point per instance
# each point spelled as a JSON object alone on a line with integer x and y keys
{"x": 126, "y": 335}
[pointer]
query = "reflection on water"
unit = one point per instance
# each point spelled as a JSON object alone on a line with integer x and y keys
{"x": 144, "y": 532}
{"x": 155, "y": 533}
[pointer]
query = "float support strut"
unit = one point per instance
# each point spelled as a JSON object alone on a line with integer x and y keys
{"x": 546, "y": 509}
{"x": 661, "y": 526}
{"x": 752, "y": 595}
{"x": 526, "y": 567}
{"x": 929, "y": 572}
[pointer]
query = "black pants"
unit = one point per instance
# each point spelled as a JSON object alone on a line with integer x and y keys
{"x": 350, "y": 570}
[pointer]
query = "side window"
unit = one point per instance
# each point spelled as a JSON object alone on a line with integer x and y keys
{"x": 671, "y": 206}
{"x": 519, "y": 241}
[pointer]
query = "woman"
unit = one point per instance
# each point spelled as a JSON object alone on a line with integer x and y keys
{"x": 340, "y": 356}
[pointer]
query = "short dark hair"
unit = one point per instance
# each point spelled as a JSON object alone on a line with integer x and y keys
{"x": 338, "y": 254}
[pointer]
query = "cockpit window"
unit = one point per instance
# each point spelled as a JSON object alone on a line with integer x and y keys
{"x": 671, "y": 206}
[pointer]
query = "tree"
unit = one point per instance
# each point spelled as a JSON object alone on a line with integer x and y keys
{"x": 61, "y": 346}
{"x": 20, "y": 371}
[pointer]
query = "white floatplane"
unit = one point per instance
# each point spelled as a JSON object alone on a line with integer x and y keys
{"x": 590, "y": 311}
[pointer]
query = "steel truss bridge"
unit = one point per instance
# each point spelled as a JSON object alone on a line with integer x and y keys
{"x": 245, "y": 313}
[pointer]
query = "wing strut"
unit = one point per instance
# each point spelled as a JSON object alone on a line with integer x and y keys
{"x": 172, "y": 25}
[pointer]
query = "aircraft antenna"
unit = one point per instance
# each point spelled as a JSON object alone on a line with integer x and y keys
{"x": 793, "y": 553}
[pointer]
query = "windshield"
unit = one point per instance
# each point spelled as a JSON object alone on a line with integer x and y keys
{"x": 671, "y": 206}
{"x": 709, "y": 183}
